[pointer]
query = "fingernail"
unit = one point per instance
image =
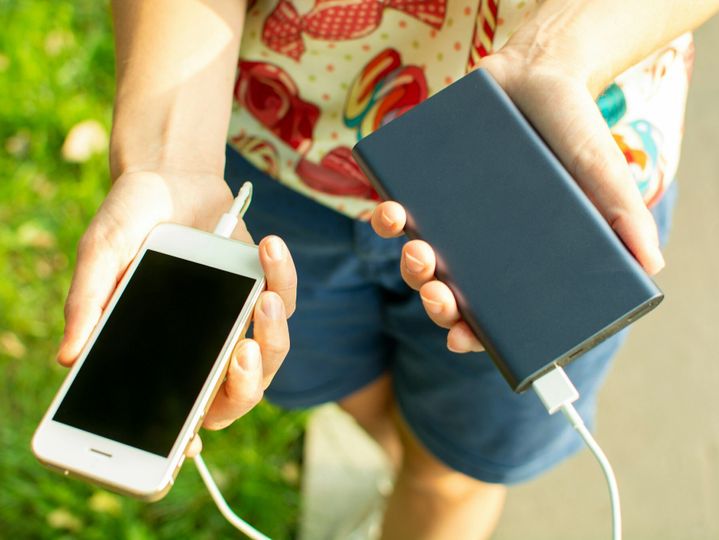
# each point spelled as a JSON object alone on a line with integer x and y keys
{"x": 248, "y": 357}
{"x": 274, "y": 249}
{"x": 451, "y": 336}
{"x": 413, "y": 264}
{"x": 271, "y": 307}
{"x": 432, "y": 305}
{"x": 388, "y": 221}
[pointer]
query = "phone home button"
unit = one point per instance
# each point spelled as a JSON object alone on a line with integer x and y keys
{"x": 101, "y": 453}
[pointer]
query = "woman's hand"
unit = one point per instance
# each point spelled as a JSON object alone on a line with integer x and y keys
{"x": 559, "y": 104}
{"x": 137, "y": 202}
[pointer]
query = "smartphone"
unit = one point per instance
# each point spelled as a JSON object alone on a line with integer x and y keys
{"x": 538, "y": 274}
{"x": 139, "y": 390}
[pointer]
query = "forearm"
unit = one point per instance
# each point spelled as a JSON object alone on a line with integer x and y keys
{"x": 175, "y": 69}
{"x": 599, "y": 39}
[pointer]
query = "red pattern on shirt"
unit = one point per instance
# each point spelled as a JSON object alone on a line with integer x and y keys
{"x": 337, "y": 20}
{"x": 270, "y": 95}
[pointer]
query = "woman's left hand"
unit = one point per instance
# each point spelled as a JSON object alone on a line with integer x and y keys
{"x": 559, "y": 104}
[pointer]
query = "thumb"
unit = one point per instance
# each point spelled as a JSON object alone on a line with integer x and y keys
{"x": 96, "y": 274}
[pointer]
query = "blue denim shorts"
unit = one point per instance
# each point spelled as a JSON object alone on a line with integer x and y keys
{"x": 356, "y": 319}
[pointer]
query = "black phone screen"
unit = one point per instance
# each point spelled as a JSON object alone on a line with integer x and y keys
{"x": 145, "y": 371}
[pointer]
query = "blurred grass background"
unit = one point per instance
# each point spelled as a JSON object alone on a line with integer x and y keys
{"x": 56, "y": 71}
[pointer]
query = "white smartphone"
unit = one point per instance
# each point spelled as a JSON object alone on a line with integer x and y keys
{"x": 138, "y": 393}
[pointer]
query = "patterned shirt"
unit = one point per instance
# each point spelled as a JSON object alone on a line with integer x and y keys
{"x": 315, "y": 76}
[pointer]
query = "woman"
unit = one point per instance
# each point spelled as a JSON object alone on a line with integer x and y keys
{"x": 315, "y": 76}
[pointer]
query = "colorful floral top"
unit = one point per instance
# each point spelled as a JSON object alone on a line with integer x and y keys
{"x": 315, "y": 76}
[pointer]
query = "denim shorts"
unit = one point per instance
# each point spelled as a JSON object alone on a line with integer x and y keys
{"x": 356, "y": 319}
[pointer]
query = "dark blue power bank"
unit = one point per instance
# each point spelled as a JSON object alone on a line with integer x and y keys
{"x": 538, "y": 273}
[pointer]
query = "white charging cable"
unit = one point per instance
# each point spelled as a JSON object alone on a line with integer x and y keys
{"x": 224, "y": 508}
{"x": 557, "y": 394}
{"x": 554, "y": 389}
{"x": 225, "y": 228}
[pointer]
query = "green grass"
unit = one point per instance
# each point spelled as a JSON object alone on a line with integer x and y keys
{"x": 56, "y": 69}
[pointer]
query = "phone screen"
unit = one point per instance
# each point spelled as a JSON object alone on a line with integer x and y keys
{"x": 145, "y": 371}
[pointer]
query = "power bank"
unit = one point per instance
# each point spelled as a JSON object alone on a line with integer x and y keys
{"x": 539, "y": 275}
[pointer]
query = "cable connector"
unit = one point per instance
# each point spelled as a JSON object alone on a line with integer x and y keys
{"x": 229, "y": 219}
{"x": 555, "y": 390}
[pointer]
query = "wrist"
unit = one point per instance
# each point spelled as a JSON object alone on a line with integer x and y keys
{"x": 161, "y": 138}
{"x": 559, "y": 40}
{"x": 169, "y": 159}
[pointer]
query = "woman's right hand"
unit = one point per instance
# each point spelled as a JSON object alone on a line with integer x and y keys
{"x": 136, "y": 203}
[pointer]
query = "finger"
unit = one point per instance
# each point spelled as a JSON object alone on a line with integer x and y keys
{"x": 388, "y": 219}
{"x": 580, "y": 137}
{"x": 461, "y": 339}
{"x": 439, "y": 303}
{"x": 96, "y": 274}
{"x": 602, "y": 172}
{"x": 271, "y": 333}
{"x": 279, "y": 270}
{"x": 417, "y": 264}
{"x": 195, "y": 447}
{"x": 242, "y": 388}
